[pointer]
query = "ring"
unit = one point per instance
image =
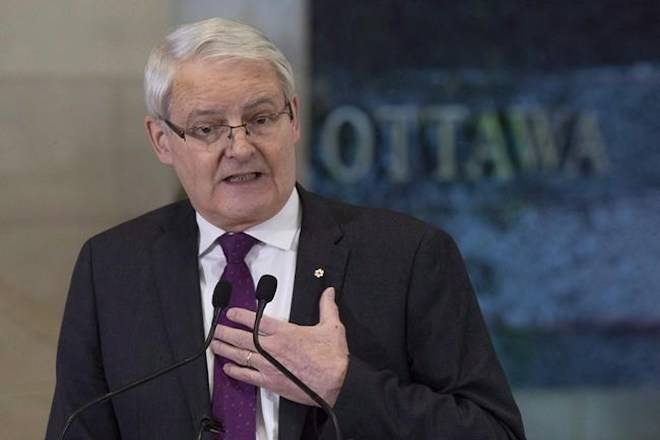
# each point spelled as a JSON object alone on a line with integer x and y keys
{"x": 247, "y": 359}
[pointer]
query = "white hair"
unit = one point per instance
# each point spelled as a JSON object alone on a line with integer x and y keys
{"x": 215, "y": 38}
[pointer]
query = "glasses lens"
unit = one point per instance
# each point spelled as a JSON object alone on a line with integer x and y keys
{"x": 264, "y": 125}
{"x": 208, "y": 134}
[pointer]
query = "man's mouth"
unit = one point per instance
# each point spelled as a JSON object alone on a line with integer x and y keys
{"x": 241, "y": 178}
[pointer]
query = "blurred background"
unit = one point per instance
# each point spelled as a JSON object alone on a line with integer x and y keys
{"x": 527, "y": 130}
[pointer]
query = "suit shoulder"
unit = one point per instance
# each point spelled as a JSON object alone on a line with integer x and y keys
{"x": 145, "y": 226}
{"x": 382, "y": 224}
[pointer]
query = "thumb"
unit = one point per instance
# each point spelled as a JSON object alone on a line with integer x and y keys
{"x": 328, "y": 310}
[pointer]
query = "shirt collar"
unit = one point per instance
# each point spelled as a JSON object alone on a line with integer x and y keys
{"x": 280, "y": 231}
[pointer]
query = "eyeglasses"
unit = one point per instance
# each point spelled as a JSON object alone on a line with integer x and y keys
{"x": 207, "y": 134}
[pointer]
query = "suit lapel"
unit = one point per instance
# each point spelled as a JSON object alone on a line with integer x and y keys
{"x": 177, "y": 277}
{"x": 321, "y": 263}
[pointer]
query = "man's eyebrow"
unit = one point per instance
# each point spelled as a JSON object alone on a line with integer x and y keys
{"x": 270, "y": 100}
{"x": 204, "y": 112}
{"x": 260, "y": 101}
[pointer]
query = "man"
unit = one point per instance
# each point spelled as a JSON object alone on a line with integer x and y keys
{"x": 374, "y": 310}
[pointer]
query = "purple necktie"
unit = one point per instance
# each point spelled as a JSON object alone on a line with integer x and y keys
{"x": 234, "y": 402}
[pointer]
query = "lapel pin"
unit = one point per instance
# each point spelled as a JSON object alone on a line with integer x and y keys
{"x": 318, "y": 273}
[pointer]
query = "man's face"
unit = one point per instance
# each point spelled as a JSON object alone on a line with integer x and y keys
{"x": 249, "y": 179}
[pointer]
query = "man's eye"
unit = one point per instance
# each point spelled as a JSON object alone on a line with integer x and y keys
{"x": 202, "y": 130}
{"x": 262, "y": 120}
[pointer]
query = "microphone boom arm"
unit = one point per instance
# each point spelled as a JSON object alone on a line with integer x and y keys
{"x": 300, "y": 384}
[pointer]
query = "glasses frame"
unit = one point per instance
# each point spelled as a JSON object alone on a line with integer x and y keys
{"x": 181, "y": 132}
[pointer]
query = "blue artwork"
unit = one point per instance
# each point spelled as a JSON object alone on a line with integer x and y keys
{"x": 538, "y": 153}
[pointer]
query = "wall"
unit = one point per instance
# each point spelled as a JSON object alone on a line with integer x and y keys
{"x": 71, "y": 151}
{"x": 74, "y": 158}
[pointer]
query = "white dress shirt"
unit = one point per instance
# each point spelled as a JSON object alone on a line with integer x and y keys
{"x": 274, "y": 254}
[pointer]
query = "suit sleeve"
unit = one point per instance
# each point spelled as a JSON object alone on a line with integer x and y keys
{"x": 456, "y": 389}
{"x": 80, "y": 375}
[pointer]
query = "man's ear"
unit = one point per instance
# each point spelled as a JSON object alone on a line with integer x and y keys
{"x": 160, "y": 142}
{"x": 295, "y": 109}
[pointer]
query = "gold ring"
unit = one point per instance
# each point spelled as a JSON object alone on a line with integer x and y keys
{"x": 247, "y": 359}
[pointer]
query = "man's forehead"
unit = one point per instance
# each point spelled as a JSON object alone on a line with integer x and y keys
{"x": 207, "y": 84}
{"x": 225, "y": 73}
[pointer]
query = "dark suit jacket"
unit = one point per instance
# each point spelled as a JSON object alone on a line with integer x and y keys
{"x": 421, "y": 366}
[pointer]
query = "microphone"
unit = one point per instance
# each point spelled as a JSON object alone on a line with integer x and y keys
{"x": 265, "y": 292}
{"x": 221, "y": 295}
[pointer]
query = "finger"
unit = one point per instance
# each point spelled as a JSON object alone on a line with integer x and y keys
{"x": 247, "y": 375}
{"x": 241, "y": 316}
{"x": 328, "y": 311}
{"x": 267, "y": 326}
{"x": 237, "y": 355}
{"x": 234, "y": 336}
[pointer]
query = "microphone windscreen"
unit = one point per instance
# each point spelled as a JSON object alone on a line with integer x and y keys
{"x": 221, "y": 294}
{"x": 266, "y": 288}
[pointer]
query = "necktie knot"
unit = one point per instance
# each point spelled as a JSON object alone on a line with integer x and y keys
{"x": 236, "y": 246}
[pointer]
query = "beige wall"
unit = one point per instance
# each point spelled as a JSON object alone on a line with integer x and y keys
{"x": 73, "y": 161}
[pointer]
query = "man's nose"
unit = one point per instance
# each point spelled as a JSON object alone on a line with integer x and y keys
{"x": 239, "y": 145}
{"x": 237, "y": 127}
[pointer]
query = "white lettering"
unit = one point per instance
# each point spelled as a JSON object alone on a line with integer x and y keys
{"x": 363, "y": 145}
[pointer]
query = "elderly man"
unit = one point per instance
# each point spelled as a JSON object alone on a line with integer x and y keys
{"x": 374, "y": 310}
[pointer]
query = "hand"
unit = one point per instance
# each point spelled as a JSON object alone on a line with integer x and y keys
{"x": 317, "y": 354}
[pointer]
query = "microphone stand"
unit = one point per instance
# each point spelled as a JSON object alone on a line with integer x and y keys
{"x": 207, "y": 424}
{"x": 300, "y": 384}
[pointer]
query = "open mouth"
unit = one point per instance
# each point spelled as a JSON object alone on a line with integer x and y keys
{"x": 241, "y": 178}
